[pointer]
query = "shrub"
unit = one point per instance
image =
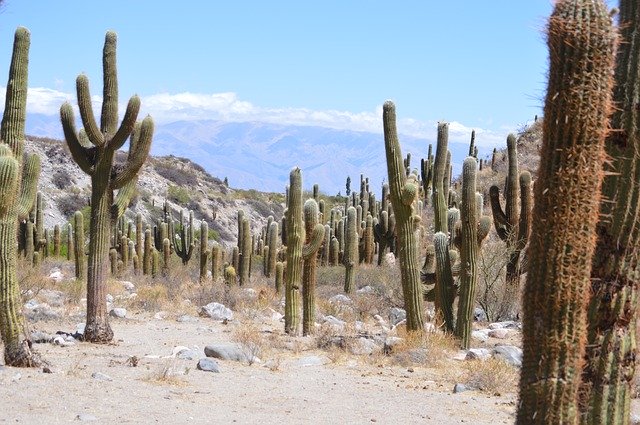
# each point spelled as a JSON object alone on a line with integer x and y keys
{"x": 178, "y": 194}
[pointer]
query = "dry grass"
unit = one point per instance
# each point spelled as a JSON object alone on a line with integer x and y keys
{"x": 494, "y": 376}
{"x": 432, "y": 349}
{"x": 167, "y": 373}
{"x": 251, "y": 341}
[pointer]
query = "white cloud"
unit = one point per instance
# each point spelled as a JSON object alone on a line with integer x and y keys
{"x": 166, "y": 107}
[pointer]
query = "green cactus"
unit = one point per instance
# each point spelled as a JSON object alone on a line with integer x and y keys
{"x": 18, "y": 182}
{"x": 113, "y": 261}
{"x": 230, "y": 275}
{"x": 216, "y": 261}
{"x": 98, "y": 162}
{"x": 512, "y": 224}
{"x": 183, "y": 238}
{"x": 608, "y": 377}
{"x": 244, "y": 260}
{"x": 147, "y": 253}
{"x": 314, "y": 235}
{"x": 70, "y": 247}
{"x": 78, "y": 243}
{"x": 404, "y": 193}
{"x": 279, "y": 273}
{"x": 56, "y": 240}
{"x": 581, "y": 40}
{"x": 204, "y": 249}
{"x": 139, "y": 236}
{"x": 166, "y": 256}
{"x": 350, "y": 256}
{"x": 272, "y": 238}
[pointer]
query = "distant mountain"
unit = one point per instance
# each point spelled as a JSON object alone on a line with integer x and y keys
{"x": 256, "y": 155}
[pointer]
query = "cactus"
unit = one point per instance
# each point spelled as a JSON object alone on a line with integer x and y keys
{"x": 70, "y": 247}
{"x": 18, "y": 183}
{"x": 512, "y": 225}
{"x": 229, "y": 275}
{"x": 204, "y": 249}
{"x": 113, "y": 261}
{"x": 581, "y": 40}
{"x": 166, "y": 256}
{"x": 608, "y": 377}
{"x": 350, "y": 256}
{"x": 244, "y": 245}
{"x": 56, "y": 240}
{"x": 139, "y": 236}
{"x": 297, "y": 250}
{"x": 216, "y": 259}
{"x": 148, "y": 252}
{"x": 314, "y": 235}
{"x": 404, "y": 193}
{"x": 272, "y": 238}
{"x": 78, "y": 242}
{"x": 106, "y": 177}
{"x": 183, "y": 238}
{"x": 279, "y": 273}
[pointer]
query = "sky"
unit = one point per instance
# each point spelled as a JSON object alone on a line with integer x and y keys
{"x": 478, "y": 64}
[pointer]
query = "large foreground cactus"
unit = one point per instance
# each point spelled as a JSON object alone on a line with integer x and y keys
{"x": 18, "y": 183}
{"x": 581, "y": 41}
{"x": 93, "y": 149}
{"x": 404, "y": 196}
{"x": 612, "y": 346}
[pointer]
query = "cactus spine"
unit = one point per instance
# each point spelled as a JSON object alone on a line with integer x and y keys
{"x": 581, "y": 41}
{"x": 98, "y": 162}
{"x": 404, "y": 192}
{"x": 18, "y": 183}
{"x": 612, "y": 345}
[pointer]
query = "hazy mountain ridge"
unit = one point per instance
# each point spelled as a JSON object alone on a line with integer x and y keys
{"x": 257, "y": 155}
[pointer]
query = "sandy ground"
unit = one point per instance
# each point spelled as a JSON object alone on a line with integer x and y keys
{"x": 281, "y": 389}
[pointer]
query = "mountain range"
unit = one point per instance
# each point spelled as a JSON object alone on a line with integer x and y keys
{"x": 258, "y": 155}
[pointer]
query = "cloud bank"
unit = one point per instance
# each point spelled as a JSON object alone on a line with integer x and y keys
{"x": 167, "y": 107}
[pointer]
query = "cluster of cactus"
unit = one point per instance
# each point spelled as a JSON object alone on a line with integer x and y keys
{"x": 18, "y": 182}
{"x": 582, "y": 46}
{"x": 93, "y": 149}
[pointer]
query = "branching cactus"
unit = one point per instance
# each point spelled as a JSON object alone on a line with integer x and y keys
{"x": 183, "y": 238}
{"x": 581, "y": 40}
{"x": 18, "y": 182}
{"x": 404, "y": 193}
{"x": 297, "y": 249}
{"x": 314, "y": 235}
{"x": 93, "y": 149}
{"x": 513, "y": 223}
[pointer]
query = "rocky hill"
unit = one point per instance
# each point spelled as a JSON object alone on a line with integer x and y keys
{"x": 182, "y": 183}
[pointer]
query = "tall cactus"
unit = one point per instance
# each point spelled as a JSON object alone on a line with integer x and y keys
{"x": 183, "y": 238}
{"x": 272, "y": 240}
{"x": 244, "y": 244}
{"x": 296, "y": 249}
{"x": 512, "y": 224}
{"x": 404, "y": 193}
{"x": 314, "y": 235}
{"x": 98, "y": 162}
{"x": 204, "y": 249}
{"x": 78, "y": 244}
{"x": 581, "y": 41}
{"x": 350, "y": 256}
{"x": 18, "y": 182}
{"x": 608, "y": 378}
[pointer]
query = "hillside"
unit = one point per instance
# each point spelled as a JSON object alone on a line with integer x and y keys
{"x": 184, "y": 184}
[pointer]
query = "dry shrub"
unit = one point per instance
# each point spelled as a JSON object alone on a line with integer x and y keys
{"x": 168, "y": 373}
{"x": 251, "y": 341}
{"x": 494, "y": 376}
{"x": 31, "y": 280}
{"x": 151, "y": 297}
{"x": 75, "y": 289}
{"x": 430, "y": 348}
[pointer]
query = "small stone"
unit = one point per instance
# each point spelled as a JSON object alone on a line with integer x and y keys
{"x": 61, "y": 341}
{"x": 85, "y": 417}
{"x": 509, "y": 324}
{"x": 397, "y": 315}
{"x": 364, "y": 347}
{"x": 334, "y": 321}
{"x": 161, "y": 315}
{"x": 109, "y": 298}
{"x": 128, "y": 286}
{"x": 478, "y": 354}
{"x": 99, "y": 376}
{"x": 40, "y": 337}
{"x": 501, "y": 333}
{"x": 185, "y": 318}
{"x": 216, "y": 311}
{"x": 184, "y": 353}
{"x": 458, "y": 388}
{"x": 365, "y": 290}
{"x": 340, "y": 299}
{"x": 208, "y": 365}
{"x": 479, "y": 315}
{"x": 56, "y": 275}
{"x": 508, "y": 353}
{"x": 311, "y": 361}
{"x": 118, "y": 312}
{"x": 390, "y": 259}
{"x": 481, "y": 335}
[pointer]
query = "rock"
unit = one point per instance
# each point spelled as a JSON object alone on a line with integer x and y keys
{"x": 509, "y": 324}
{"x": 109, "y": 298}
{"x": 635, "y": 419}
{"x": 311, "y": 361}
{"x": 56, "y": 275}
{"x": 216, "y": 311}
{"x": 118, "y": 312}
{"x": 185, "y": 318}
{"x": 40, "y": 337}
{"x": 101, "y": 376}
{"x": 365, "y": 290}
{"x": 249, "y": 293}
{"x": 61, "y": 341}
{"x": 364, "y": 347}
{"x": 85, "y": 417}
{"x": 501, "y": 333}
{"x": 381, "y": 322}
{"x": 275, "y": 315}
{"x": 334, "y": 322}
{"x": 390, "y": 259}
{"x": 128, "y": 286}
{"x": 508, "y": 353}
{"x": 478, "y": 354}
{"x": 184, "y": 353}
{"x": 208, "y": 365}
{"x": 481, "y": 335}
{"x": 458, "y": 388}
{"x": 340, "y": 299}
{"x": 41, "y": 312}
{"x": 53, "y": 298}
{"x": 397, "y": 315}
{"x": 479, "y": 315}
{"x": 161, "y": 315}
{"x": 80, "y": 330}
{"x": 226, "y": 351}
{"x": 391, "y": 342}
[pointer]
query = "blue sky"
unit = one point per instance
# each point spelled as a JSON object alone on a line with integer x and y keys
{"x": 480, "y": 64}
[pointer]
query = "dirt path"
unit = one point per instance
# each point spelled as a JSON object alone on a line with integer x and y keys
{"x": 282, "y": 389}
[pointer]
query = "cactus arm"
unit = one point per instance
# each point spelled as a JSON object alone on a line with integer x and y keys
{"x": 109, "y": 117}
{"x": 127, "y": 125}
{"x": 524, "y": 226}
{"x": 15, "y": 105}
{"x": 499, "y": 217}
{"x": 86, "y": 111}
{"x": 138, "y": 153}
{"x": 317, "y": 237}
{"x": 81, "y": 154}
{"x": 123, "y": 198}
{"x": 444, "y": 289}
{"x": 29, "y": 187}
{"x": 8, "y": 178}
